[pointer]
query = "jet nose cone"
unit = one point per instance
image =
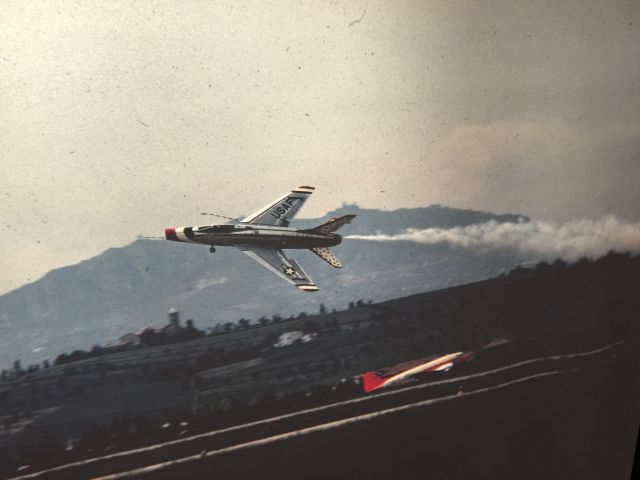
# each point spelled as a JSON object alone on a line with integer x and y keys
{"x": 170, "y": 234}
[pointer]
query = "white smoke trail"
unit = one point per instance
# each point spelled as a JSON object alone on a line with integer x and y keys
{"x": 571, "y": 240}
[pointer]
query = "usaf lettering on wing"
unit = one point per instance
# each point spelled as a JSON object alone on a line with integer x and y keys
{"x": 284, "y": 206}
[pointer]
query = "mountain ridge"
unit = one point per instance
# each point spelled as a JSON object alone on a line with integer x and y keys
{"x": 126, "y": 288}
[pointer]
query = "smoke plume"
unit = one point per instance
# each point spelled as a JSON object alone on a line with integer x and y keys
{"x": 570, "y": 240}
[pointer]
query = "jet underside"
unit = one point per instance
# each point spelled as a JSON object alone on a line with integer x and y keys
{"x": 288, "y": 238}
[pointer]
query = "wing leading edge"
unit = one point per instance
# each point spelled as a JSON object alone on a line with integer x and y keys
{"x": 279, "y": 212}
{"x": 275, "y": 260}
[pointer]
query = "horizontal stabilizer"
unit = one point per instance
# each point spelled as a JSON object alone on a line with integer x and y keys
{"x": 327, "y": 255}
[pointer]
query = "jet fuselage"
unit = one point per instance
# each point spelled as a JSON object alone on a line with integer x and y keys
{"x": 233, "y": 235}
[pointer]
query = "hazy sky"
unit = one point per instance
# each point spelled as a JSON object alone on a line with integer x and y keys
{"x": 121, "y": 118}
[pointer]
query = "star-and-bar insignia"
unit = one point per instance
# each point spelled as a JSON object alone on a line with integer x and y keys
{"x": 289, "y": 271}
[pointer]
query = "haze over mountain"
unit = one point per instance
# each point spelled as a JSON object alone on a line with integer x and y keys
{"x": 125, "y": 289}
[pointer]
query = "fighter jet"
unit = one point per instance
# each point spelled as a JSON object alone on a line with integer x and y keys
{"x": 263, "y": 234}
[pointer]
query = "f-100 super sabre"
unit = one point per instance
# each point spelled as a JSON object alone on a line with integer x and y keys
{"x": 264, "y": 234}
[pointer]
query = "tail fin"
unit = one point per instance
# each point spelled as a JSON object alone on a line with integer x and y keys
{"x": 333, "y": 224}
{"x": 371, "y": 381}
{"x": 327, "y": 255}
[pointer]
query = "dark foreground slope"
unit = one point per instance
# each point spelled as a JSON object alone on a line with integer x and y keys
{"x": 561, "y": 416}
{"x": 558, "y": 424}
{"x": 552, "y": 406}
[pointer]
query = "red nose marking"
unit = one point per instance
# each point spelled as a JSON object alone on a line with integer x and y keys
{"x": 170, "y": 233}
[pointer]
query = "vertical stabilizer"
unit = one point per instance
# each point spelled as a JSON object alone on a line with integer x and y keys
{"x": 333, "y": 224}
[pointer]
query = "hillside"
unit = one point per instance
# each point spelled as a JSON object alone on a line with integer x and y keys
{"x": 128, "y": 288}
{"x": 542, "y": 316}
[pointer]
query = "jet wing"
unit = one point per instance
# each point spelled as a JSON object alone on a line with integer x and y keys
{"x": 281, "y": 211}
{"x": 286, "y": 268}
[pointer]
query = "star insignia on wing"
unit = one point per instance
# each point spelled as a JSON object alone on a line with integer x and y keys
{"x": 289, "y": 271}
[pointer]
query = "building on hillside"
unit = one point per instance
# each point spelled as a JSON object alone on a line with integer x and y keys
{"x": 174, "y": 322}
{"x": 169, "y": 330}
{"x": 131, "y": 338}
